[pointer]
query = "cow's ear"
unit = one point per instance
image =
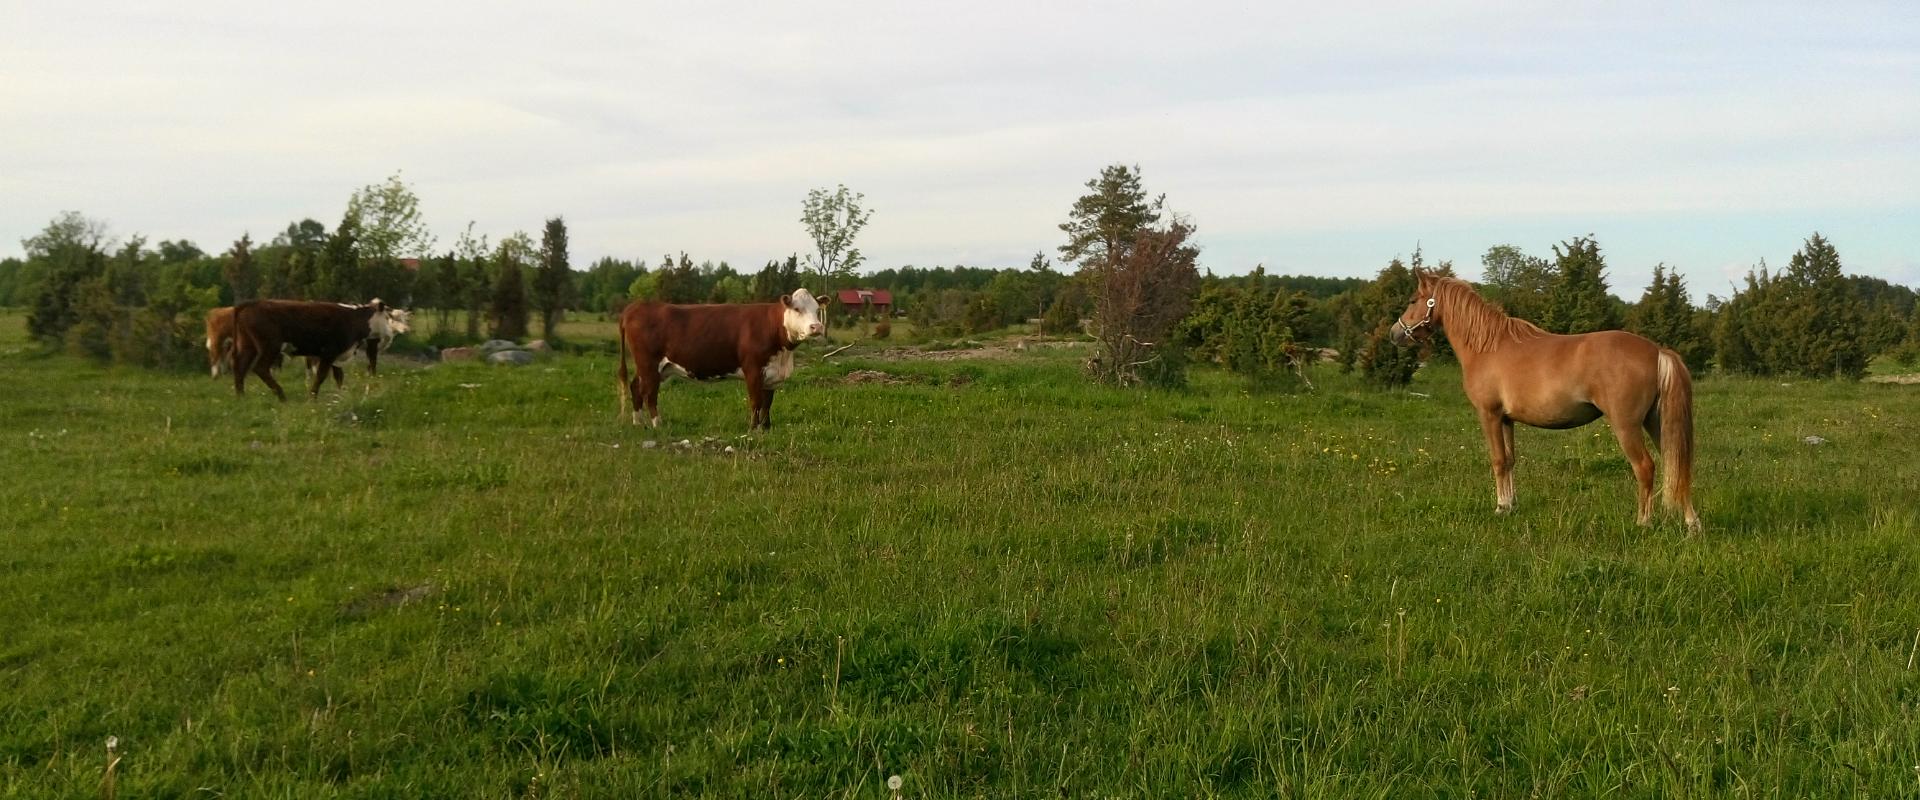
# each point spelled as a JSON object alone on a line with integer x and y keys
{"x": 786, "y": 300}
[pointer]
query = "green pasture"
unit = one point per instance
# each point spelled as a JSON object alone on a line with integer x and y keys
{"x": 969, "y": 569}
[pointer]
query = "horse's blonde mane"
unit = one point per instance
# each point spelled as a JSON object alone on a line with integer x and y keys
{"x": 1475, "y": 323}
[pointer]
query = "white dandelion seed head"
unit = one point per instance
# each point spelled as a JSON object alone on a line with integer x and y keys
{"x": 893, "y": 783}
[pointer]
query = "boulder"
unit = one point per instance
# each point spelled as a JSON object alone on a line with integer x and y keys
{"x": 513, "y": 357}
{"x": 539, "y": 346}
{"x": 491, "y": 346}
{"x": 458, "y": 354}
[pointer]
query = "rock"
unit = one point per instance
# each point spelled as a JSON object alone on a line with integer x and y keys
{"x": 497, "y": 345}
{"x": 539, "y": 346}
{"x": 728, "y": 450}
{"x": 458, "y": 354}
{"x": 649, "y": 444}
{"x": 1814, "y": 440}
{"x": 683, "y": 443}
{"x": 513, "y": 357}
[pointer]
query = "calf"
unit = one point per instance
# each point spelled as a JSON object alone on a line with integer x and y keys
{"x": 325, "y": 333}
{"x": 754, "y": 341}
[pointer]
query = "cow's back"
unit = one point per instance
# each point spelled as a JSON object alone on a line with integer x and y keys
{"x": 706, "y": 341}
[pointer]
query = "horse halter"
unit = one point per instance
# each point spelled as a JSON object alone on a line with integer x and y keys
{"x": 1409, "y": 329}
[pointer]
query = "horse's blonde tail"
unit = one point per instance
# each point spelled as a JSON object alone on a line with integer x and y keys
{"x": 1676, "y": 434}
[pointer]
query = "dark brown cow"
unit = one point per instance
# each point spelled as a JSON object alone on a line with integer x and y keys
{"x": 754, "y": 341}
{"x": 325, "y": 333}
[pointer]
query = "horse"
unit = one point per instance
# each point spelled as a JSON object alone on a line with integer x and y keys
{"x": 1514, "y": 371}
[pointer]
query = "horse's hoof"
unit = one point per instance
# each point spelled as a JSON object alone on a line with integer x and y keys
{"x": 1502, "y": 510}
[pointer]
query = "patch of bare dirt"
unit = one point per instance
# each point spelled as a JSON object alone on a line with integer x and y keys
{"x": 1911, "y": 378}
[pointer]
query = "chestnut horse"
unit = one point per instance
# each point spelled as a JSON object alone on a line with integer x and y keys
{"x": 1516, "y": 372}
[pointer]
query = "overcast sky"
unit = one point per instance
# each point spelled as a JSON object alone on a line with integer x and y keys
{"x": 1308, "y": 137}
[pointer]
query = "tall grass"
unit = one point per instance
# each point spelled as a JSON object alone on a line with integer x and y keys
{"x": 990, "y": 579}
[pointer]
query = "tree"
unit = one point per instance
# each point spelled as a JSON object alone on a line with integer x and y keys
{"x": 474, "y": 277}
{"x": 775, "y": 279}
{"x": 553, "y": 281}
{"x": 1137, "y": 304}
{"x": 66, "y": 254}
{"x": 389, "y": 222}
{"x": 1142, "y": 276}
{"x": 1379, "y": 305}
{"x": 1520, "y": 283}
{"x": 447, "y": 287}
{"x": 1578, "y": 301}
{"x": 1665, "y": 314}
{"x": 508, "y": 311}
{"x": 833, "y": 219}
{"x": 1824, "y": 315}
{"x": 241, "y": 273}
{"x": 1105, "y": 222}
{"x": 337, "y": 276}
{"x": 179, "y": 252}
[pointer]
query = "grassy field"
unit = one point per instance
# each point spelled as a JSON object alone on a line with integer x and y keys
{"x": 979, "y": 574}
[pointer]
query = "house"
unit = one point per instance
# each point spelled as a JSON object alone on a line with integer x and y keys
{"x": 867, "y": 303}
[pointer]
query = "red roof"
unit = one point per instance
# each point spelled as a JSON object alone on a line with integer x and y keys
{"x": 861, "y": 297}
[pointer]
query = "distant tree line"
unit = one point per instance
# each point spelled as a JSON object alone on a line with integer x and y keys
{"x": 1135, "y": 287}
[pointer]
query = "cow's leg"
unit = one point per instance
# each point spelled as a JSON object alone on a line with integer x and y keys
{"x": 373, "y": 356}
{"x": 766, "y": 410}
{"x": 648, "y": 396}
{"x": 339, "y": 376}
{"x": 320, "y": 374}
{"x": 264, "y": 368}
{"x": 242, "y": 362}
{"x": 756, "y": 395}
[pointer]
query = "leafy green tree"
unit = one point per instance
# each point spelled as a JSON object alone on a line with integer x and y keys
{"x": 178, "y": 252}
{"x": 833, "y": 219}
{"x": 446, "y": 287}
{"x": 553, "y": 281}
{"x": 13, "y": 273}
{"x": 508, "y": 310}
{"x": 1378, "y": 305}
{"x": 1520, "y": 283}
{"x": 67, "y": 253}
{"x": 388, "y": 221}
{"x": 1578, "y": 301}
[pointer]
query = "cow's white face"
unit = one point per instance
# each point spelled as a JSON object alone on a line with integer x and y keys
{"x": 803, "y": 316}
{"x": 399, "y": 321}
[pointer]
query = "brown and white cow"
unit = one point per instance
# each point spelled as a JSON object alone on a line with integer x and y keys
{"x": 220, "y": 341}
{"x": 325, "y": 333}
{"x": 754, "y": 341}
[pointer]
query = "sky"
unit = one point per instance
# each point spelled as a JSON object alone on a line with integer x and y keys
{"x": 1318, "y": 138}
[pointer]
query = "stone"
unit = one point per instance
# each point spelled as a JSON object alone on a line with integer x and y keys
{"x": 1814, "y": 440}
{"x": 497, "y": 345}
{"x": 458, "y": 354}
{"x": 539, "y": 346}
{"x": 511, "y": 357}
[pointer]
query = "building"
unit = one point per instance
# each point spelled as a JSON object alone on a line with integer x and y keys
{"x": 868, "y": 303}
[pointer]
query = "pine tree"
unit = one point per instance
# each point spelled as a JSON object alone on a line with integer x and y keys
{"x": 1824, "y": 314}
{"x": 1578, "y": 301}
{"x": 553, "y": 281}
{"x": 1665, "y": 314}
{"x": 241, "y": 273}
{"x": 508, "y": 307}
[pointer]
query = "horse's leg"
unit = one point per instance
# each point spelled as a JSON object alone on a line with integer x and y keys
{"x": 1500, "y": 455}
{"x": 1633, "y": 442}
{"x": 1505, "y": 484}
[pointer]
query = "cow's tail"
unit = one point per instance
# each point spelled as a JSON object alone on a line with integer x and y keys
{"x": 625, "y": 388}
{"x": 1676, "y": 434}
